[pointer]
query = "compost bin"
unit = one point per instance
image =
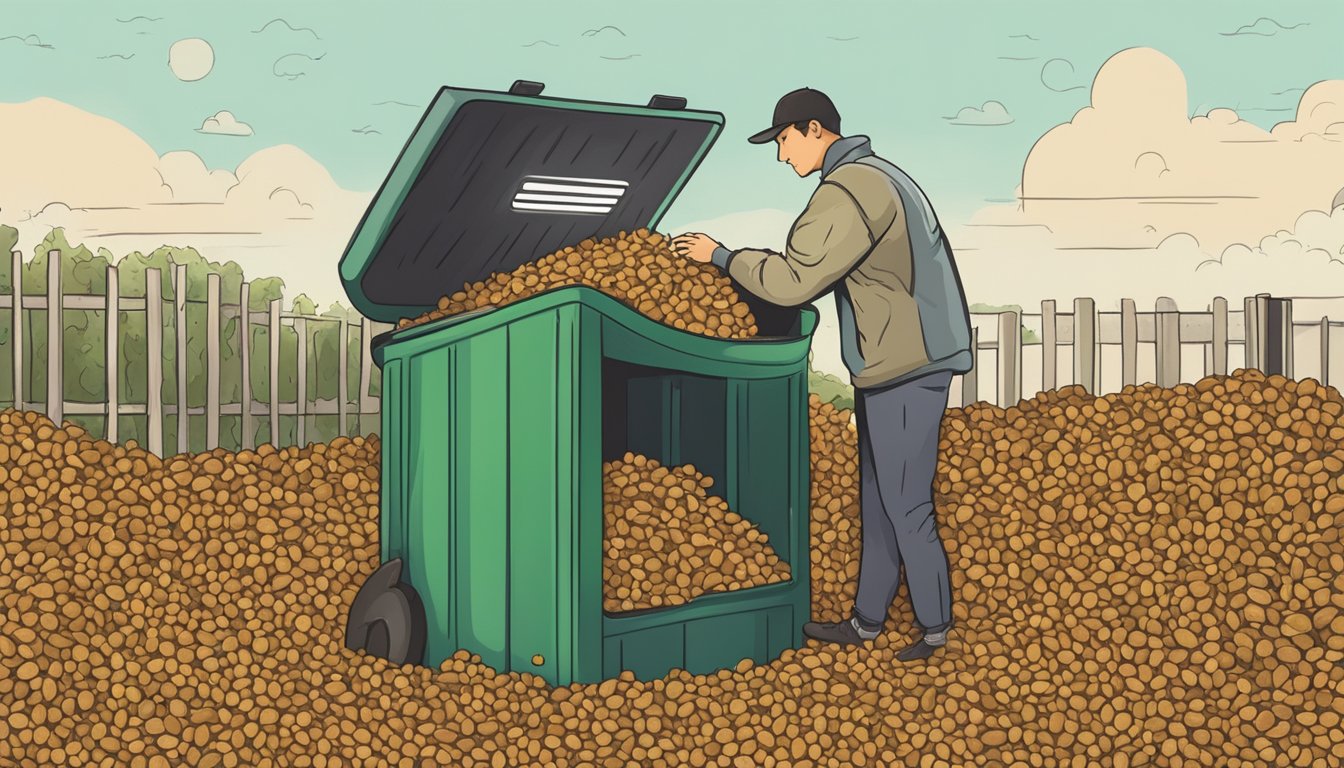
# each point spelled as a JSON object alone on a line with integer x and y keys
{"x": 496, "y": 423}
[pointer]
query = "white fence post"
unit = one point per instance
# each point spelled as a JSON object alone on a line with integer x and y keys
{"x": 154, "y": 360}
{"x": 112, "y": 328}
{"x": 1250, "y": 327}
{"x": 1168, "y": 337}
{"x": 1219, "y": 336}
{"x": 1085, "y": 344}
{"x": 16, "y": 324}
{"x": 301, "y": 389}
{"x": 1325, "y": 351}
{"x": 213, "y": 358}
{"x": 365, "y": 371}
{"x": 180, "y": 306}
{"x": 273, "y": 326}
{"x": 55, "y": 335}
{"x": 1129, "y": 343}
{"x": 245, "y": 429}
{"x": 1287, "y": 320}
{"x": 343, "y": 377}
{"x": 1010, "y": 359}
{"x": 1049, "y": 346}
{"x": 1262, "y": 335}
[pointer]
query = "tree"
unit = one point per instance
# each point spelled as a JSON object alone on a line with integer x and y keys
{"x": 9, "y": 240}
{"x": 84, "y": 365}
{"x": 831, "y": 389}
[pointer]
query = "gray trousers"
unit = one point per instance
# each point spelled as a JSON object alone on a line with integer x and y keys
{"x": 898, "y": 453}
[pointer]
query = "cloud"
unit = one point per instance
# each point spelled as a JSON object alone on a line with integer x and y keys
{"x": 1029, "y": 37}
{"x": 991, "y": 113}
{"x": 541, "y": 42}
{"x": 293, "y": 69}
{"x": 1053, "y": 77}
{"x": 139, "y": 18}
{"x": 1263, "y": 27}
{"x": 397, "y": 103}
{"x": 279, "y": 213}
{"x": 122, "y": 56}
{"x": 1135, "y": 158}
{"x": 32, "y": 41}
{"x": 617, "y": 30}
{"x": 225, "y": 124}
{"x": 289, "y": 26}
{"x": 191, "y": 181}
{"x": 842, "y": 39}
{"x": 1132, "y": 198}
{"x": 52, "y": 214}
{"x": 365, "y": 130}
{"x": 600, "y": 30}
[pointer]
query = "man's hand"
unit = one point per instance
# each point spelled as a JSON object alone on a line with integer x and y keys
{"x": 695, "y": 246}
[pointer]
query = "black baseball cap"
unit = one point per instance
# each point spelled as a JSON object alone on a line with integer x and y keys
{"x": 796, "y": 107}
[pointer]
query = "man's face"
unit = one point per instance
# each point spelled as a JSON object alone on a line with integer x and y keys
{"x": 802, "y": 150}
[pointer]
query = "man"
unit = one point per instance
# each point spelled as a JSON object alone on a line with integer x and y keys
{"x": 870, "y": 235}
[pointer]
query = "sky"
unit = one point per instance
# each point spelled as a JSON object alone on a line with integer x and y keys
{"x": 1106, "y": 149}
{"x": 896, "y": 71}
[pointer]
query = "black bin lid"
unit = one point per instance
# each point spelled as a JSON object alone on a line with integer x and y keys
{"x": 491, "y": 180}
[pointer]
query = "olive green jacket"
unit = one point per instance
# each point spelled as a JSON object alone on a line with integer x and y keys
{"x": 870, "y": 235}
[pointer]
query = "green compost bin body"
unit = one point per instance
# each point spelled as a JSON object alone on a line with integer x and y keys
{"x": 494, "y": 432}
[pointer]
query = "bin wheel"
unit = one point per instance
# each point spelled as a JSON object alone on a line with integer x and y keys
{"x": 387, "y": 619}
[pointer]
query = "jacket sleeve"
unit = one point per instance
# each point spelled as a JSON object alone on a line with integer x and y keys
{"x": 824, "y": 244}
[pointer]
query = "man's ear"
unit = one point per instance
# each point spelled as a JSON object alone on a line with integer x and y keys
{"x": 814, "y": 129}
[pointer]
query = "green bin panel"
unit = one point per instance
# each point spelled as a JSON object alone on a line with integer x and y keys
{"x": 482, "y": 494}
{"x": 534, "y": 463}
{"x": 429, "y": 458}
{"x": 721, "y": 641}
{"x": 702, "y": 645}
{"x": 649, "y": 653}
{"x": 646, "y": 414}
{"x": 581, "y": 350}
{"x": 782, "y": 631}
{"x": 764, "y": 474}
{"x": 702, "y": 427}
{"x": 611, "y": 660}
{"x": 392, "y": 478}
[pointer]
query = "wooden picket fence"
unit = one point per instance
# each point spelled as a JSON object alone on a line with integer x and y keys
{"x": 216, "y": 312}
{"x": 1264, "y": 329}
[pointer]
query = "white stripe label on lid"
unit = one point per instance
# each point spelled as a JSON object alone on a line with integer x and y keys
{"x": 533, "y": 198}
{"x": 561, "y": 208}
{"x": 566, "y": 194}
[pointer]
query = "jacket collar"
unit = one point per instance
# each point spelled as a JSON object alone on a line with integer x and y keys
{"x": 843, "y": 151}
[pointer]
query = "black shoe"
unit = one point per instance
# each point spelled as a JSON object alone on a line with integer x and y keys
{"x": 918, "y": 651}
{"x": 842, "y": 632}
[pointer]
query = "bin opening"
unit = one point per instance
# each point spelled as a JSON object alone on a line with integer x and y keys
{"x": 677, "y": 418}
{"x": 772, "y": 320}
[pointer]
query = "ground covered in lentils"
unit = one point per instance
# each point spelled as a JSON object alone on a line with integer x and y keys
{"x": 1153, "y": 577}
